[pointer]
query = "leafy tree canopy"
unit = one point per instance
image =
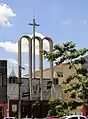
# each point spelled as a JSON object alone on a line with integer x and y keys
{"x": 77, "y": 83}
{"x": 61, "y": 108}
{"x": 58, "y": 108}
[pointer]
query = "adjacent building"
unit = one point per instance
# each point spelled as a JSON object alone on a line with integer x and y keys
{"x": 9, "y": 88}
{"x": 60, "y": 73}
{"x": 3, "y": 88}
{"x": 57, "y": 79}
{"x": 12, "y": 86}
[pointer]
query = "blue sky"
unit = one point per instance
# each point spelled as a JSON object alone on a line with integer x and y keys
{"x": 62, "y": 20}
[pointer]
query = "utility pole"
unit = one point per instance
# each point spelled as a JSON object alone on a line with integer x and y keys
{"x": 19, "y": 89}
{"x": 34, "y": 24}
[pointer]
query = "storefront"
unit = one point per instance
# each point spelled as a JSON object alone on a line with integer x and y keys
{"x": 3, "y": 110}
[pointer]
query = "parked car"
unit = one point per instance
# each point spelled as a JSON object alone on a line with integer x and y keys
{"x": 9, "y": 118}
{"x": 68, "y": 117}
{"x": 51, "y": 117}
{"x": 73, "y": 117}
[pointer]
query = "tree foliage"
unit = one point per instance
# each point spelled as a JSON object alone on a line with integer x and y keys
{"x": 58, "y": 108}
{"x": 77, "y": 83}
{"x": 65, "y": 52}
{"x": 61, "y": 108}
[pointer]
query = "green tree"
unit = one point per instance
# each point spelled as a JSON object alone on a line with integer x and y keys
{"x": 77, "y": 83}
{"x": 58, "y": 108}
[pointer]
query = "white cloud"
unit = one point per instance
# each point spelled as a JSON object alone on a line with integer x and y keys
{"x": 26, "y": 65}
{"x": 13, "y": 47}
{"x": 67, "y": 22}
{"x": 6, "y": 13}
{"x": 11, "y": 63}
{"x": 9, "y": 46}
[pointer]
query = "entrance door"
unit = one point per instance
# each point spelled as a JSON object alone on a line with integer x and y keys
{"x": 1, "y": 112}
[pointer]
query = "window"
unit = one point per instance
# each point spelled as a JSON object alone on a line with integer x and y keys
{"x": 35, "y": 87}
{"x": 55, "y": 81}
{"x": 13, "y": 80}
{"x": 0, "y": 70}
{"x": 49, "y": 84}
{"x": 3, "y": 67}
{"x": 62, "y": 117}
{"x": 4, "y": 70}
{"x": 9, "y": 117}
{"x": 10, "y": 80}
{"x": 60, "y": 74}
{"x": 1, "y": 79}
{"x": 35, "y": 92}
{"x": 83, "y": 118}
{"x": 4, "y": 79}
{"x": 74, "y": 118}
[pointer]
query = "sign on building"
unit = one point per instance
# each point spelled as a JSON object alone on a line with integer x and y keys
{"x": 14, "y": 107}
{"x": 36, "y": 89}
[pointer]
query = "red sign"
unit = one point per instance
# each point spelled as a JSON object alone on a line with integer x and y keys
{"x": 84, "y": 110}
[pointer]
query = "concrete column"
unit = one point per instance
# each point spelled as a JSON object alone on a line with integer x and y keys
{"x": 51, "y": 62}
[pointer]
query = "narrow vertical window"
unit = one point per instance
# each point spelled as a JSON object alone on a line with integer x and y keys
{"x": 1, "y": 79}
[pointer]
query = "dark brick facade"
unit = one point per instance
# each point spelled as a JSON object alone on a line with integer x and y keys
{"x": 3, "y": 88}
{"x": 3, "y": 81}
